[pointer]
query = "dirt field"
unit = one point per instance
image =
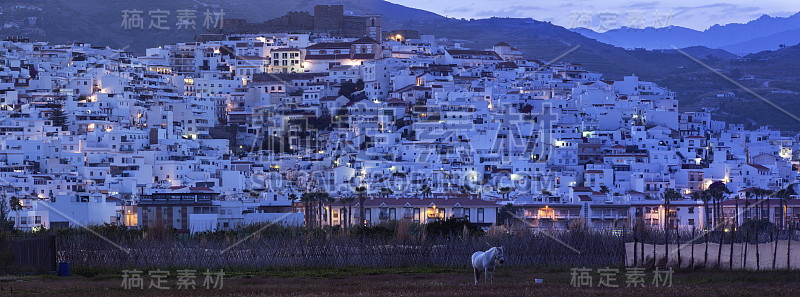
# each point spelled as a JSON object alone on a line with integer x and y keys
{"x": 508, "y": 282}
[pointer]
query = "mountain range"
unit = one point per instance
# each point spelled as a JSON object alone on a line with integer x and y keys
{"x": 764, "y": 33}
{"x": 99, "y": 22}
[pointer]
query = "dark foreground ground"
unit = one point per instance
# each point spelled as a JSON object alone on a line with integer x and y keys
{"x": 413, "y": 282}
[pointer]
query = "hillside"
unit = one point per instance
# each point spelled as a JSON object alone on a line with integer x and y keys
{"x": 99, "y": 22}
{"x": 764, "y": 33}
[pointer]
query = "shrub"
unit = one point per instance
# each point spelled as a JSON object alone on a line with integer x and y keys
{"x": 452, "y": 226}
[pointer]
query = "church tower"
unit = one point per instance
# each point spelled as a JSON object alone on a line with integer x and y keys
{"x": 374, "y": 27}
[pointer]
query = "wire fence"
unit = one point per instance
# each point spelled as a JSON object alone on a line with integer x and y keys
{"x": 740, "y": 249}
{"x": 768, "y": 249}
{"x": 559, "y": 249}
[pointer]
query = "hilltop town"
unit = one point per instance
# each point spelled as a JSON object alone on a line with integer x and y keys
{"x": 335, "y": 121}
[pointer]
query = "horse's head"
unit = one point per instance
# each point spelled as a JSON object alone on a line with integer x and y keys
{"x": 498, "y": 255}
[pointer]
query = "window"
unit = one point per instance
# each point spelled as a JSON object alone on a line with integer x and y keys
{"x": 480, "y": 215}
{"x": 691, "y": 209}
{"x": 416, "y": 214}
{"x": 393, "y": 214}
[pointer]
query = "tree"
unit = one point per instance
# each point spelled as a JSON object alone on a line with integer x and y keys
{"x": 452, "y": 227}
{"x": 425, "y": 190}
{"x": 717, "y": 190}
{"x": 308, "y": 201}
{"x": 400, "y": 123}
{"x": 505, "y": 191}
{"x": 320, "y": 200}
{"x": 348, "y": 88}
{"x": 784, "y": 195}
{"x": 362, "y": 190}
{"x": 604, "y": 189}
{"x": 736, "y": 73}
{"x": 385, "y": 192}
{"x": 5, "y": 223}
{"x": 705, "y": 197}
{"x": 506, "y": 214}
{"x": 323, "y": 122}
{"x": 16, "y": 205}
{"x": 790, "y": 231}
{"x": 527, "y": 108}
{"x": 669, "y": 195}
{"x": 347, "y": 201}
{"x": 57, "y": 116}
{"x": 760, "y": 195}
{"x": 323, "y": 198}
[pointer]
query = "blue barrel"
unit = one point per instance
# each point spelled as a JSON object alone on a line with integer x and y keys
{"x": 63, "y": 268}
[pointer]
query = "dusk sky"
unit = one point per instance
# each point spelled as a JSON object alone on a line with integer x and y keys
{"x": 696, "y": 14}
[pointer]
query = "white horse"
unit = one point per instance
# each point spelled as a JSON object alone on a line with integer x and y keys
{"x": 486, "y": 262}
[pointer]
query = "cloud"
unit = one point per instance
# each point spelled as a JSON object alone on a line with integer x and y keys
{"x": 518, "y": 11}
{"x": 643, "y": 5}
{"x": 457, "y": 9}
{"x": 498, "y": 13}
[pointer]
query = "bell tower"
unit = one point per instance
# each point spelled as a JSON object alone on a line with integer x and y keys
{"x": 374, "y": 27}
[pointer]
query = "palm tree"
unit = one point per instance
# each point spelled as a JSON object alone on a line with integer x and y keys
{"x": 604, "y": 189}
{"x": 325, "y": 198}
{"x": 425, "y": 191}
{"x": 321, "y": 198}
{"x": 669, "y": 195}
{"x": 748, "y": 213}
{"x": 362, "y": 190}
{"x": 734, "y": 228}
{"x": 308, "y": 198}
{"x": 776, "y": 194}
{"x": 705, "y": 197}
{"x": 385, "y": 192}
{"x": 698, "y": 195}
{"x": 16, "y": 206}
{"x": 718, "y": 190}
{"x": 785, "y": 195}
{"x": 505, "y": 191}
{"x": 789, "y": 233}
{"x": 347, "y": 200}
{"x": 760, "y": 193}
{"x": 782, "y": 195}
{"x": 292, "y": 197}
{"x": 765, "y": 194}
